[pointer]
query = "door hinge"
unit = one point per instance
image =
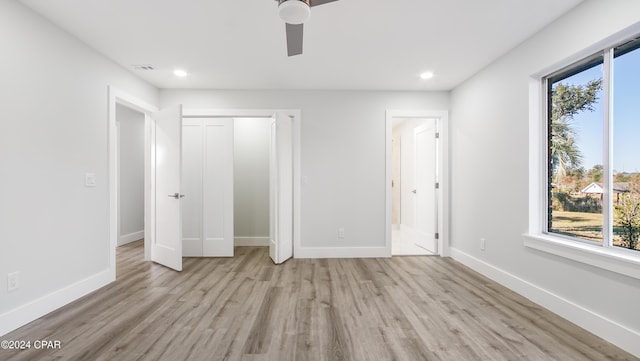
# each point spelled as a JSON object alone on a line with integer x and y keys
{"x": 437, "y": 185}
{"x": 437, "y": 135}
{"x": 437, "y": 235}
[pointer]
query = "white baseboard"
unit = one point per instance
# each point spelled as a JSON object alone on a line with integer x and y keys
{"x": 22, "y": 315}
{"x": 251, "y": 241}
{"x": 131, "y": 237}
{"x": 617, "y": 334}
{"x": 341, "y": 252}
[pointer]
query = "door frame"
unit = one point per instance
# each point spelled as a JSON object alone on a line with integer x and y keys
{"x": 443, "y": 194}
{"x": 294, "y": 114}
{"x": 117, "y": 96}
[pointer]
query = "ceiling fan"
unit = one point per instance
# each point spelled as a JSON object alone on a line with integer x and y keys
{"x": 294, "y": 13}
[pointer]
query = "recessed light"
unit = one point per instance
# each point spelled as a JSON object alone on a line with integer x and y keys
{"x": 179, "y": 72}
{"x": 426, "y": 75}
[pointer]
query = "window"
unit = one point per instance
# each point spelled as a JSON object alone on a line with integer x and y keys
{"x": 593, "y": 149}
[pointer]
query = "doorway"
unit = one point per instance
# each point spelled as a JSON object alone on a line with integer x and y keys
{"x": 414, "y": 201}
{"x": 416, "y": 183}
{"x": 134, "y": 114}
{"x": 131, "y": 148}
{"x": 251, "y": 191}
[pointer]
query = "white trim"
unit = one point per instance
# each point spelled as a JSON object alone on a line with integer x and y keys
{"x": 22, "y": 315}
{"x": 251, "y": 241}
{"x": 443, "y": 174}
{"x": 297, "y": 183}
{"x": 610, "y": 259}
{"x": 537, "y": 160}
{"x": 295, "y": 114}
{"x": 236, "y": 113}
{"x": 131, "y": 237}
{"x": 117, "y": 96}
{"x": 607, "y": 154}
{"x": 342, "y": 252}
{"x": 119, "y": 171}
{"x": 620, "y": 335}
{"x": 149, "y": 184}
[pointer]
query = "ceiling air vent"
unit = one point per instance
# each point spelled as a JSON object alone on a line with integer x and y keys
{"x": 143, "y": 67}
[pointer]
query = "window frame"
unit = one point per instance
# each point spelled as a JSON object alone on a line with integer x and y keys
{"x": 603, "y": 255}
{"x": 599, "y": 58}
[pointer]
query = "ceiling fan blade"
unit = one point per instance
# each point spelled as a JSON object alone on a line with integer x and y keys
{"x": 320, "y": 2}
{"x": 294, "y": 39}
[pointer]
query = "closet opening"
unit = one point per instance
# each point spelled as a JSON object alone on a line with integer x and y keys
{"x": 251, "y": 142}
{"x": 237, "y": 181}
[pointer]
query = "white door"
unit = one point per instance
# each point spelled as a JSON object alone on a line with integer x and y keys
{"x": 217, "y": 191}
{"x": 207, "y": 176}
{"x": 425, "y": 186}
{"x": 166, "y": 247}
{"x": 281, "y": 189}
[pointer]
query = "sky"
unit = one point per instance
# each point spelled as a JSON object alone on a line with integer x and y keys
{"x": 626, "y": 116}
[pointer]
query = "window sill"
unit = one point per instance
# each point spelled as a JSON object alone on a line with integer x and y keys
{"x": 608, "y": 259}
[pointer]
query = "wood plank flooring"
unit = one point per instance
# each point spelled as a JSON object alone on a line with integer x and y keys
{"x": 245, "y": 308}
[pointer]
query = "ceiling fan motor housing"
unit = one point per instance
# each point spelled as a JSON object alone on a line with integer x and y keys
{"x": 294, "y": 11}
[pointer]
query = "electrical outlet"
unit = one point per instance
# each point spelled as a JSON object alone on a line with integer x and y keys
{"x": 90, "y": 180}
{"x": 482, "y": 244}
{"x": 13, "y": 281}
{"x": 341, "y": 232}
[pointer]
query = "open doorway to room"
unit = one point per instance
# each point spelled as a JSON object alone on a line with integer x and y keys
{"x": 414, "y": 193}
{"x": 131, "y": 162}
{"x": 416, "y": 175}
{"x": 131, "y": 205}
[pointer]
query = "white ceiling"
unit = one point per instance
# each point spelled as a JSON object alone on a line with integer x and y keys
{"x": 348, "y": 44}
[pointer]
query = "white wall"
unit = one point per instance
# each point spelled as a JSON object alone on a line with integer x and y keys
{"x": 53, "y": 229}
{"x": 131, "y": 202}
{"x": 343, "y": 155}
{"x": 251, "y": 179}
{"x": 489, "y": 152}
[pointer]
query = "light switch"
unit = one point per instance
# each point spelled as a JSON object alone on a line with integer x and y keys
{"x": 90, "y": 179}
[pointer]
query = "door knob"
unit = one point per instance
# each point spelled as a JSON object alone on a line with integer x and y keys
{"x": 413, "y": 191}
{"x": 176, "y": 195}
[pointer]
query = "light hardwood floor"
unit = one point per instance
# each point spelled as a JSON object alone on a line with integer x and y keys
{"x": 246, "y": 308}
{"x": 405, "y": 243}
